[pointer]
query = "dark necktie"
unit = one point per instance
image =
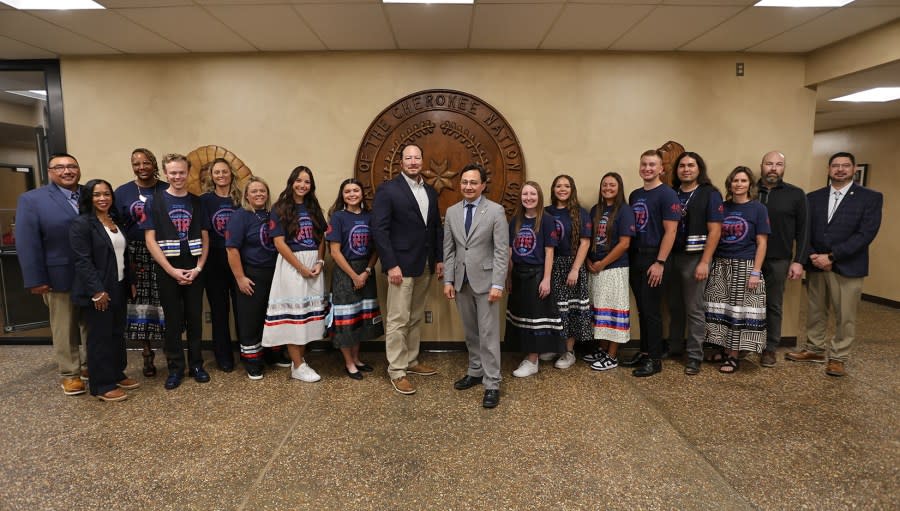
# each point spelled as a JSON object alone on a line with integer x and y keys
{"x": 73, "y": 200}
{"x": 469, "y": 208}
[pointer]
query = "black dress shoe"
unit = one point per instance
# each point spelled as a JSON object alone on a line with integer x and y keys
{"x": 636, "y": 360}
{"x": 366, "y": 368}
{"x": 692, "y": 367}
{"x": 200, "y": 375}
{"x": 173, "y": 381}
{"x": 467, "y": 382}
{"x": 649, "y": 367}
{"x": 356, "y": 376}
{"x": 491, "y": 398}
{"x": 227, "y": 367}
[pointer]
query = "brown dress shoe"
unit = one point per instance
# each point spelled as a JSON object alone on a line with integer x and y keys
{"x": 835, "y": 368}
{"x": 403, "y": 386}
{"x": 72, "y": 386}
{"x": 767, "y": 359}
{"x": 422, "y": 370}
{"x": 128, "y": 384}
{"x": 113, "y": 395}
{"x": 805, "y": 356}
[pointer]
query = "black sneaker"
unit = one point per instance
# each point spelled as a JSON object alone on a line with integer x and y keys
{"x": 283, "y": 359}
{"x": 590, "y": 358}
{"x": 199, "y": 374}
{"x": 255, "y": 373}
{"x": 173, "y": 381}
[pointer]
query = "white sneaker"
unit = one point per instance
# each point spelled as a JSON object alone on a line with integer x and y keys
{"x": 526, "y": 369}
{"x": 606, "y": 363}
{"x": 590, "y": 358}
{"x": 547, "y": 357}
{"x": 565, "y": 361}
{"x": 305, "y": 373}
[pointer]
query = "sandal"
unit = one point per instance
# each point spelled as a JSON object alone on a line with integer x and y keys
{"x": 149, "y": 368}
{"x": 716, "y": 357}
{"x": 730, "y": 365}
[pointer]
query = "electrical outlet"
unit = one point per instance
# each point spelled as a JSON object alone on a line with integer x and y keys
{"x": 208, "y": 317}
{"x": 428, "y": 317}
{"x": 739, "y": 69}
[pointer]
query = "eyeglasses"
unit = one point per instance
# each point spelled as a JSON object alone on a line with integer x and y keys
{"x": 60, "y": 168}
{"x": 842, "y": 165}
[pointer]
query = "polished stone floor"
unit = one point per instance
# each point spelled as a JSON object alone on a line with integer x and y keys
{"x": 782, "y": 438}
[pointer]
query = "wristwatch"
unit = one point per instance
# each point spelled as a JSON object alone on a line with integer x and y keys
{"x": 831, "y": 257}
{"x": 660, "y": 261}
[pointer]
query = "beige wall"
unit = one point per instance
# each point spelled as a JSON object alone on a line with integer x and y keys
{"x": 875, "y": 144}
{"x": 578, "y": 113}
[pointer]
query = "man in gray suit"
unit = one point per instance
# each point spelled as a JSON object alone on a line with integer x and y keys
{"x": 476, "y": 252}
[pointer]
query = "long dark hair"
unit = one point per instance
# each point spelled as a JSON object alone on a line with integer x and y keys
{"x": 613, "y": 214}
{"x": 286, "y": 210}
{"x": 339, "y": 203}
{"x": 702, "y": 178}
{"x": 86, "y": 200}
{"x": 574, "y": 207}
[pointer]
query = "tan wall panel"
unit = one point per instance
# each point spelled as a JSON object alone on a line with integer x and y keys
{"x": 578, "y": 113}
{"x": 873, "y": 48}
{"x": 875, "y": 144}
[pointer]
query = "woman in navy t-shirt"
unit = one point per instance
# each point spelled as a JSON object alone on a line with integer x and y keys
{"x": 354, "y": 296}
{"x": 222, "y": 197}
{"x": 613, "y": 222}
{"x": 532, "y": 319}
{"x": 735, "y": 296}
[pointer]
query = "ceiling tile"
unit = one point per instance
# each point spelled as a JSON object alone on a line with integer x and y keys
{"x": 189, "y": 27}
{"x": 592, "y": 27}
{"x": 12, "y": 49}
{"x": 124, "y": 4}
{"x": 669, "y": 27}
{"x": 700, "y": 3}
{"x": 268, "y": 27}
{"x": 349, "y": 26}
{"x": 751, "y": 27}
{"x": 430, "y": 27}
{"x": 875, "y": 3}
{"x": 24, "y": 27}
{"x": 512, "y": 27}
{"x": 832, "y": 27}
{"x": 111, "y": 29}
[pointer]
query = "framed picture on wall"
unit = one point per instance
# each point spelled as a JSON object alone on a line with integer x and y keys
{"x": 859, "y": 177}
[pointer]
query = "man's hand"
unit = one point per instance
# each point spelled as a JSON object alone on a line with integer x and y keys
{"x": 795, "y": 271}
{"x": 40, "y": 290}
{"x": 702, "y": 271}
{"x": 654, "y": 274}
{"x": 395, "y": 276}
{"x": 449, "y": 291}
{"x": 494, "y": 294}
{"x": 439, "y": 269}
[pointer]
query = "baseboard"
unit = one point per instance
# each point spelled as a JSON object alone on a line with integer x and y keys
{"x": 881, "y": 301}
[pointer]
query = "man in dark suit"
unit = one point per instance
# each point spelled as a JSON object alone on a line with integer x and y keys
{"x": 43, "y": 217}
{"x": 844, "y": 220}
{"x": 476, "y": 253}
{"x": 406, "y": 226}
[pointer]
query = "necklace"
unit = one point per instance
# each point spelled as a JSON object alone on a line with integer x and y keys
{"x": 141, "y": 196}
{"x": 264, "y": 218}
{"x": 688, "y": 201}
{"x": 108, "y": 223}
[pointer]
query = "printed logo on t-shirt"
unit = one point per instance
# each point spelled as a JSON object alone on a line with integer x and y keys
{"x": 525, "y": 242}
{"x": 136, "y": 210}
{"x": 601, "y": 230}
{"x": 558, "y": 228}
{"x": 181, "y": 219}
{"x": 305, "y": 233}
{"x": 641, "y": 215}
{"x": 265, "y": 239}
{"x": 220, "y": 220}
{"x": 734, "y": 229}
{"x": 358, "y": 239}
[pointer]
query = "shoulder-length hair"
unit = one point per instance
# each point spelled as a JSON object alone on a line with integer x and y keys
{"x": 519, "y": 215}
{"x": 233, "y": 189}
{"x": 618, "y": 201}
{"x": 245, "y": 201}
{"x": 86, "y": 200}
{"x": 339, "y": 203}
{"x": 751, "y": 192}
{"x": 286, "y": 210}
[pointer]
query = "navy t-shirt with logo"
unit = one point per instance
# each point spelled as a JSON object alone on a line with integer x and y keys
{"x": 739, "y": 229}
{"x": 219, "y": 211}
{"x": 528, "y": 245}
{"x": 352, "y": 231}
{"x": 250, "y": 233}
{"x": 130, "y": 199}
{"x": 651, "y": 208}
{"x": 624, "y": 226}
{"x": 181, "y": 211}
{"x": 563, "y": 223}
{"x": 305, "y": 237}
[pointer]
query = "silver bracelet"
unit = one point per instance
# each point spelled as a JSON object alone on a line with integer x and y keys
{"x": 98, "y": 298}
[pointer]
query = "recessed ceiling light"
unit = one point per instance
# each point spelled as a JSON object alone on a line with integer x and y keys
{"x": 52, "y": 5}
{"x": 33, "y": 94}
{"x": 802, "y": 3}
{"x": 876, "y": 95}
{"x": 428, "y": 1}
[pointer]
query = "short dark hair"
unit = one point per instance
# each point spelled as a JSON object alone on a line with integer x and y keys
{"x": 842, "y": 154}
{"x": 61, "y": 155}
{"x": 417, "y": 146}
{"x": 475, "y": 166}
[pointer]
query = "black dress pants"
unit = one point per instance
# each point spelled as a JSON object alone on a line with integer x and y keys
{"x": 221, "y": 289}
{"x": 106, "y": 356}
{"x": 251, "y": 314}
{"x": 649, "y": 301}
{"x": 183, "y": 308}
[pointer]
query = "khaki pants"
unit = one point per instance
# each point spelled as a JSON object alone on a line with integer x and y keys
{"x": 842, "y": 294}
{"x": 69, "y": 333}
{"x": 402, "y": 331}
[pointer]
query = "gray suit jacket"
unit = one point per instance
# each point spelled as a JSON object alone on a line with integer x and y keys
{"x": 482, "y": 255}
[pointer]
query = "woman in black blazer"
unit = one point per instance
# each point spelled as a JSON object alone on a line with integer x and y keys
{"x": 101, "y": 287}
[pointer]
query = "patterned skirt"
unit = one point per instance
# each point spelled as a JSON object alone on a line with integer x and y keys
{"x": 532, "y": 325}
{"x": 735, "y": 315}
{"x": 146, "y": 321}
{"x": 611, "y": 305}
{"x": 356, "y": 316}
{"x": 572, "y": 302}
{"x": 297, "y": 306}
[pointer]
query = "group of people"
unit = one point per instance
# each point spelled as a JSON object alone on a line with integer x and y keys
{"x": 137, "y": 260}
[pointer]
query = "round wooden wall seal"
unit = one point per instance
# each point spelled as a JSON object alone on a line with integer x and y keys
{"x": 453, "y": 129}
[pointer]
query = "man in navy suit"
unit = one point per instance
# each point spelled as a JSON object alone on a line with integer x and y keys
{"x": 406, "y": 226}
{"x": 42, "y": 243}
{"x": 844, "y": 219}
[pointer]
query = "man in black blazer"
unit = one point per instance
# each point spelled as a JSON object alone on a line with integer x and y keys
{"x": 844, "y": 219}
{"x": 406, "y": 226}
{"x": 43, "y": 217}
